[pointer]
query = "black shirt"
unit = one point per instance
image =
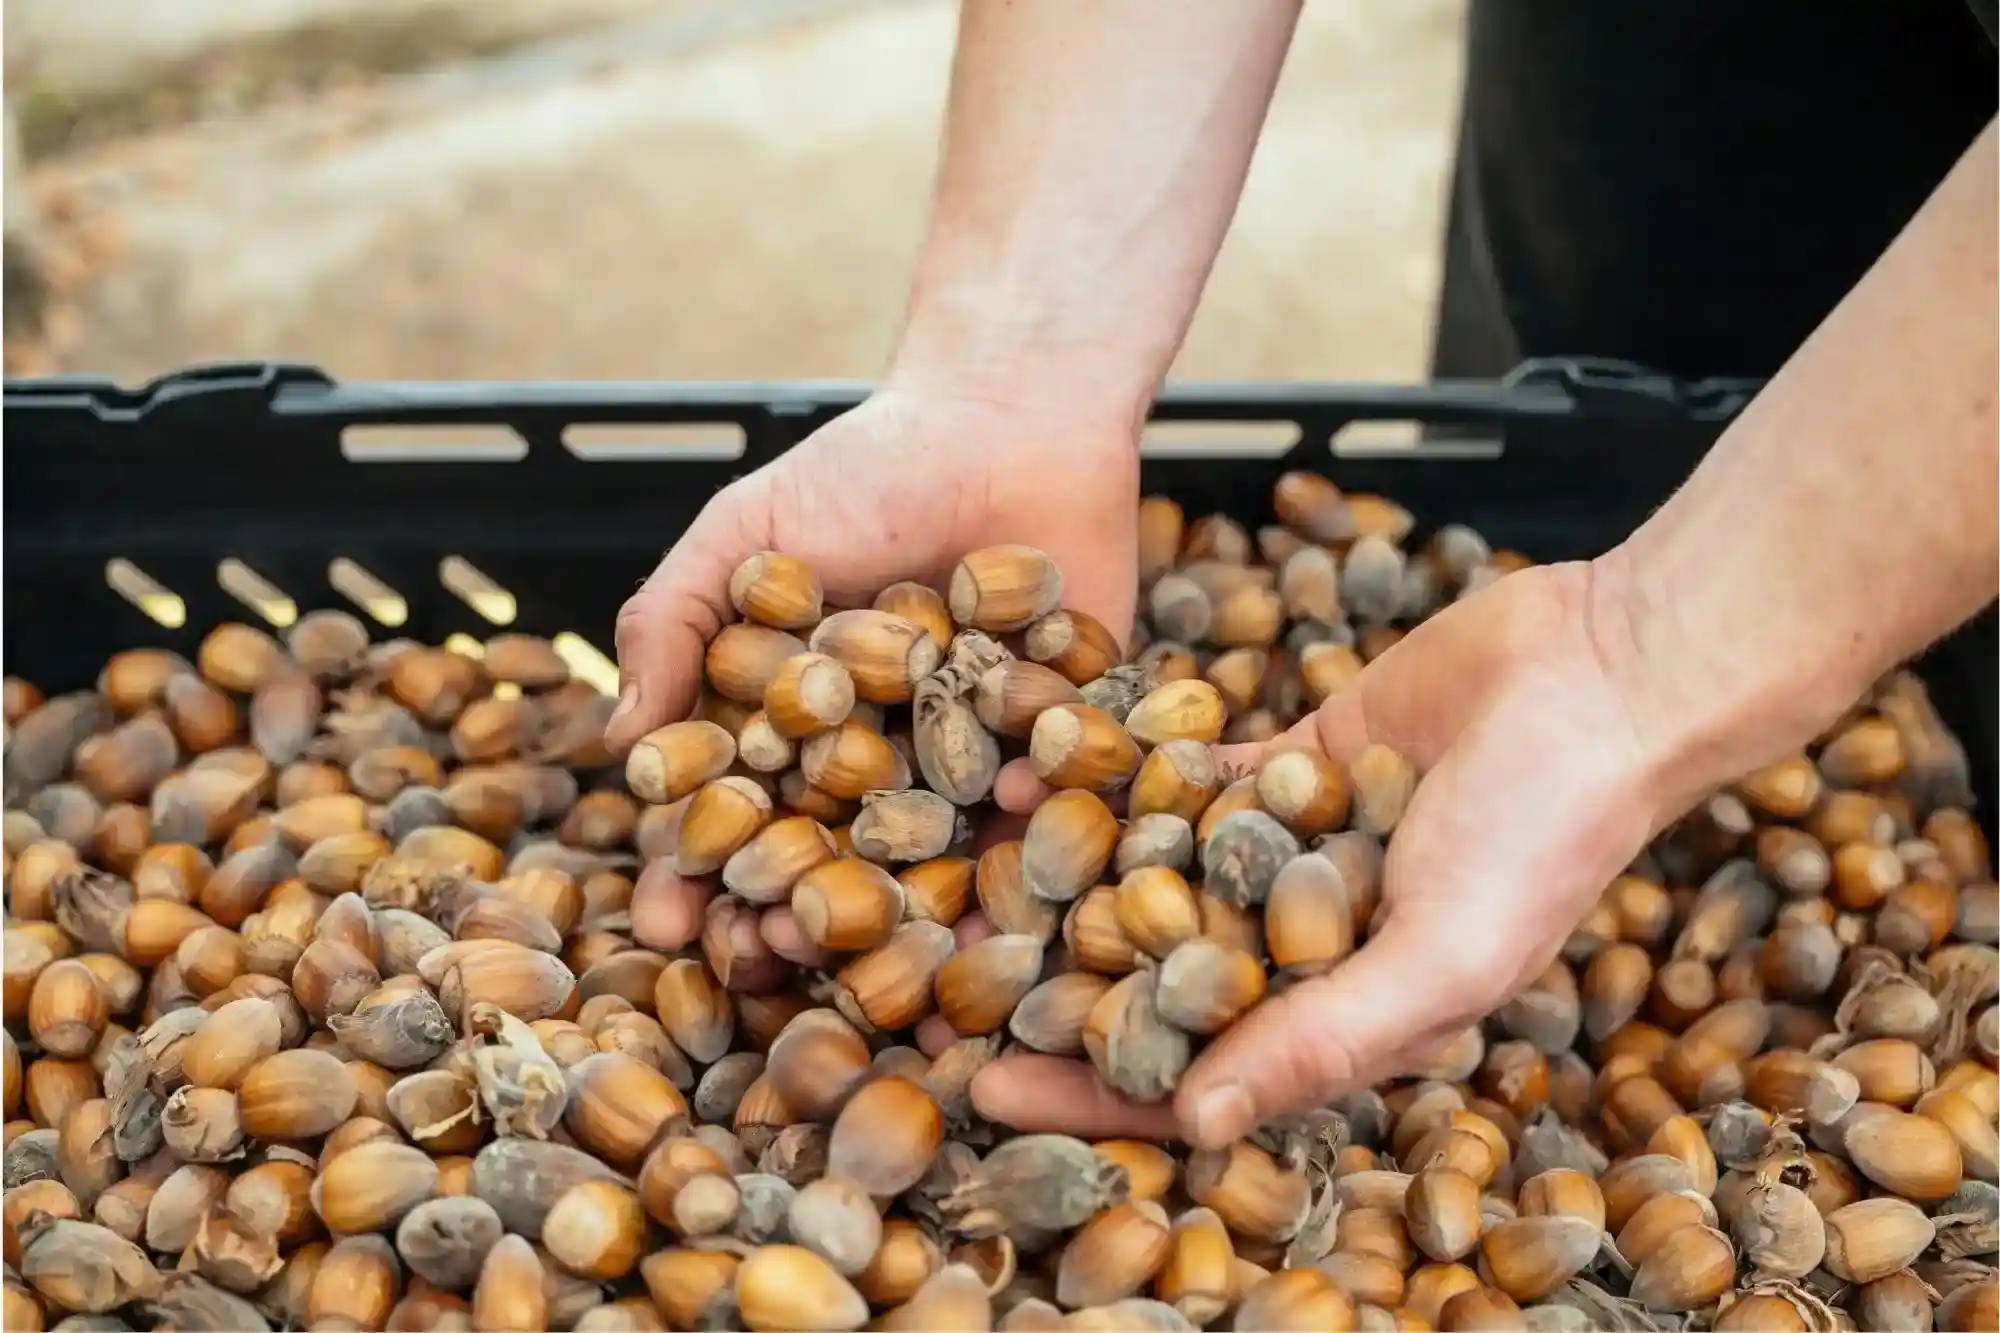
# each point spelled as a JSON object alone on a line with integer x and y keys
{"x": 1693, "y": 184}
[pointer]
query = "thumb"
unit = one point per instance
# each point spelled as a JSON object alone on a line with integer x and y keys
{"x": 1328, "y": 1036}
{"x": 664, "y": 628}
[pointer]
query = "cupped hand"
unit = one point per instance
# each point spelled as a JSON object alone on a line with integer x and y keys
{"x": 898, "y": 489}
{"x": 1546, "y": 767}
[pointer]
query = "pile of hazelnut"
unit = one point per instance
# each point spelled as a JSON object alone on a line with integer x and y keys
{"x": 331, "y": 1000}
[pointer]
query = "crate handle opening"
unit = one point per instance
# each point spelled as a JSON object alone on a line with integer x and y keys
{"x": 258, "y": 593}
{"x": 641, "y": 442}
{"x": 452, "y": 443}
{"x": 388, "y": 607}
{"x": 155, "y": 600}
{"x": 1218, "y": 439}
{"x": 466, "y": 582}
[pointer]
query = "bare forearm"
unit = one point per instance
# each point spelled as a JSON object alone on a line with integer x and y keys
{"x": 1093, "y": 157}
{"x": 1847, "y": 519}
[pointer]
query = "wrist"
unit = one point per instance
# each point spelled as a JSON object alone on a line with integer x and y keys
{"x": 1014, "y": 346}
{"x": 1721, "y": 675}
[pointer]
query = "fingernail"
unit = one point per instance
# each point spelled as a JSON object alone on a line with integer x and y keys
{"x": 1223, "y": 1115}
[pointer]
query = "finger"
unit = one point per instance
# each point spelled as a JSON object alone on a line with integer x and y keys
{"x": 935, "y": 1036}
{"x": 1097, "y": 551}
{"x": 971, "y": 929}
{"x": 667, "y": 909}
{"x": 1246, "y": 757}
{"x": 664, "y": 628}
{"x": 1042, "y": 1094}
{"x": 1318, "y": 1040}
{"x": 1017, "y": 790}
{"x": 788, "y": 939}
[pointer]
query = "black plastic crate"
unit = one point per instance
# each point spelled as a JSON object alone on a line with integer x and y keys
{"x": 252, "y": 463}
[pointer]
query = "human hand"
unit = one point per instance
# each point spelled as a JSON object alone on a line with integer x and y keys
{"x": 899, "y": 488}
{"x": 1549, "y": 755}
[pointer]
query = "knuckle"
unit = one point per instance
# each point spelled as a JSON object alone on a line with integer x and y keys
{"x": 631, "y": 621}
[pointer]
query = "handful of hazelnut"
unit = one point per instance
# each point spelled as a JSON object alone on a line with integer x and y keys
{"x": 324, "y": 1009}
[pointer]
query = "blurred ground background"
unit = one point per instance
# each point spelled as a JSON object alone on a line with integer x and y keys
{"x": 628, "y": 188}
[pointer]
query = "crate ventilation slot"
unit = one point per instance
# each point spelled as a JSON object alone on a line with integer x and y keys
{"x": 625, "y": 442}
{"x": 586, "y": 662}
{"x": 382, "y": 602}
{"x": 258, "y": 593}
{"x": 1405, "y": 439}
{"x": 432, "y": 444}
{"x": 1218, "y": 439}
{"x": 465, "y": 646}
{"x": 154, "y": 599}
{"x": 464, "y": 580}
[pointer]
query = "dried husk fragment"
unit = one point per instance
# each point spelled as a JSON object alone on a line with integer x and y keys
{"x": 402, "y": 1032}
{"x": 1045, "y": 1181}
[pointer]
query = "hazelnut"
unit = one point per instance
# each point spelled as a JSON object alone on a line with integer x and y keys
{"x": 1075, "y": 745}
{"x": 695, "y": 1009}
{"x": 1004, "y": 588}
{"x": 1308, "y": 916}
{"x": 891, "y": 987}
{"x": 1296, "y": 1298}
{"x": 1068, "y": 843}
{"x": 1530, "y": 1257}
{"x": 510, "y": 1294}
{"x": 1256, "y": 1197}
{"x": 886, "y": 1136}
{"x": 920, "y": 605}
{"x": 721, "y": 818}
{"x": 809, "y": 694}
{"x": 1050, "y": 1018}
{"x": 1205, "y": 986}
{"x": 978, "y": 988}
{"x": 596, "y": 1230}
{"x": 618, "y": 1105}
{"x": 1691, "y": 1269}
{"x": 1183, "y": 710}
{"x": 677, "y": 760}
{"x": 370, "y": 1187}
{"x": 744, "y": 659}
{"x": 298, "y": 1094}
{"x": 1442, "y": 1212}
{"x": 937, "y": 889}
{"x": 1913, "y": 1156}
{"x": 1178, "y": 778}
{"x": 684, "y": 1283}
{"x": 1155, "y": 910}
{"x": 848, "y": 905}
{"x": 781, "y": 1287}
{"x": 781, "y": 591}
{"x": 886, "y": 655}
{"x": 1113, "y": 1255}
